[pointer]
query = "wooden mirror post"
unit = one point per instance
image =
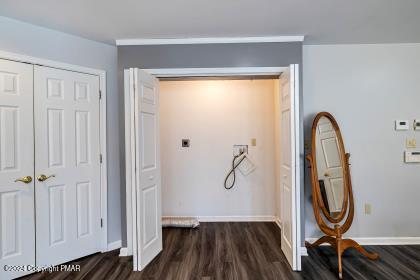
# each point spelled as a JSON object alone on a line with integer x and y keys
{"x": 335, "y": 230}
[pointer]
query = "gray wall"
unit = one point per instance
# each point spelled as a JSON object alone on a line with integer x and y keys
{"x": 27, "y": 39}
{"x": 201, "y": 56}
{"x": 366, "y": 88}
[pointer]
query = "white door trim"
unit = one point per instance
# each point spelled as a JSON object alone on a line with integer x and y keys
{"x": 210, "y": 72}
{"x": 298, "y": 190}
{"x": 102, "y": 120}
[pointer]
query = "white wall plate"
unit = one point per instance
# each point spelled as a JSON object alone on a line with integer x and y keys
{"x": 401, "y": 125}
{"x": 412, "y": 157}
{"x": 246, "y": 166}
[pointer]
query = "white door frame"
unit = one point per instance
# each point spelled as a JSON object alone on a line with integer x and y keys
{"x": 102, "y": 126}
{"x": 198, "y": 72}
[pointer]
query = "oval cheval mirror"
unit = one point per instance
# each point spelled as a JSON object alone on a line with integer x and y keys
{"x": 332, "y": 196}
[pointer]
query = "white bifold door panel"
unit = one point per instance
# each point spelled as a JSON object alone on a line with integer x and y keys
{"x": 143, "y": 119}
{"x": 17, "y": 227}
{"x": 290, "y": 166}
{"x": 66, "y": 111}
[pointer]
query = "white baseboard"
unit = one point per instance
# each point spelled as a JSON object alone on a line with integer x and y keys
{"x": 229, "y": 218}
{"x": 114, "y": 245}
{"x": 380, "y": 240}
{"x": 123, "y": 252}
{"x": 278, "y": 222}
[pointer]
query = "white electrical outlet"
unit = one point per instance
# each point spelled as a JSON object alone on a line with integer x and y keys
{"x": 411, "y": 143}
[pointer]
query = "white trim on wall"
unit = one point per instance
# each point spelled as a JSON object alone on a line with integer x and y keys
{"x": 278, "y": 222}
{"x": 129, "y": 159}
{"x": 303, "y": 252}
{"x": 215, "y": 72}
{"x": 296, "y": 139}
{"x": 379, "y": 240}
{"x": 124, "y": 252}
{"x": 102, "y": 120}
{"x": 229, "y": 218}
{"x": 209, "y": 40}
{"x": 194, "y": 72}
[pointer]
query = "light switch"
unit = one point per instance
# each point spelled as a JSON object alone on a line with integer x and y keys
{"x": 401, "y": 125}
{"x": 254, "y": 142}
{"x": 411, "y": 143}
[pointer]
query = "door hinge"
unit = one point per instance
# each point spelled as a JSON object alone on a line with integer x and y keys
{"x": 102, "y": 222}
{"x": 100, "y": 158}
{"x": 100, "y": 94}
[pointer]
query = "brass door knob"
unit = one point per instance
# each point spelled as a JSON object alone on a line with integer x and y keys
{"x": 26, "y": 179}
{"x": 43, "y": 177}
{"x": 326, "y": 174}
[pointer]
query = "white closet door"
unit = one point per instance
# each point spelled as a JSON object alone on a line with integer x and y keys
{"x": 17, "y": 230}
{"x": 289, "y": 160}
{"x": 148, "y": 238}
{"x": 67, "y": 148}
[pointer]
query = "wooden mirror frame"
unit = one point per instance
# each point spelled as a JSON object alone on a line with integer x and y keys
{"x": 315, "y": 180}
{"x": 334, "y": 232}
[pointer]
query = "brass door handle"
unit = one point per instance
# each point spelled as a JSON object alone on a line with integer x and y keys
{"x": 43, "y": 177}
{"x": 326, "y": 174}
{"x": 26, "y": 179}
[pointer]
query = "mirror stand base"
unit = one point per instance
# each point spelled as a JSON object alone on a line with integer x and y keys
{"x": 340, "y": 245}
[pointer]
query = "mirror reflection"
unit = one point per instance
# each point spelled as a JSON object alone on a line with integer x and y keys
{"x": 329, "y": 165}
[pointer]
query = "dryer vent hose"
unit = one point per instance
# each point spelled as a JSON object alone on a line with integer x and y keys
{"x": 232, "y": 171}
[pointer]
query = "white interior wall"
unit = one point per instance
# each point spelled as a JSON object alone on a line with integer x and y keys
{"x": 366, "y": 88}
{"x": 215, "y": 115}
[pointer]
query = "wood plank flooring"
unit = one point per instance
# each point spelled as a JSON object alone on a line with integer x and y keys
{"x": 242, "y": 251}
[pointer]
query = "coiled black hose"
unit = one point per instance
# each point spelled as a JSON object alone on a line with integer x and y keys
{"x": 232, "y": 171}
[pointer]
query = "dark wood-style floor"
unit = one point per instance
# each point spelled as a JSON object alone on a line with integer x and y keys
{"x": 242, "y": 251}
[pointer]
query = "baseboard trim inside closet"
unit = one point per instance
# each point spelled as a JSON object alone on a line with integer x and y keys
{"x": 229, "y": 218}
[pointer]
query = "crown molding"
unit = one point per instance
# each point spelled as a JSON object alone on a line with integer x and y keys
{"x": 215, "y": 40}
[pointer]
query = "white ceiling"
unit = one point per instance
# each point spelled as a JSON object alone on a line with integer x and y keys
{"x": 322, "y": 21}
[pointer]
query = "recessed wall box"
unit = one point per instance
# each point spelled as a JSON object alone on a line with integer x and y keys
{"x": 240, "y": 149}
{"x": 185, "y": 143}
{"x": 412, "y": 157}
{"x": 416, "y": 124}
{"x": 401, "y": 125}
